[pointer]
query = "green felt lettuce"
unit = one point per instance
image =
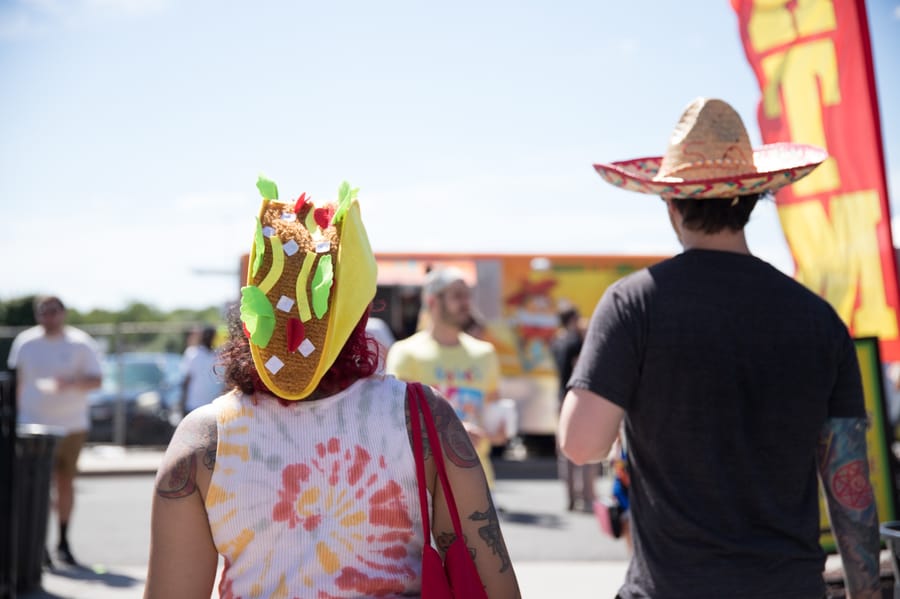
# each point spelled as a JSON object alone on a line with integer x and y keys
{"x": 259, "y": 250}
{"x": 257, "y": 315}
{"x": 345, "y": 198}
{"x": 321, "y": 285}
{"x": 267, "y": 188}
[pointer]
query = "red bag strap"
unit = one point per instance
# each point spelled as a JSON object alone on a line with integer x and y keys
{"x": 434, "y": 441}
{"x": 418, "y": 453}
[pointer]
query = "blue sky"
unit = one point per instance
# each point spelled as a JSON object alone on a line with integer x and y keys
{"x": 133, "y": 130}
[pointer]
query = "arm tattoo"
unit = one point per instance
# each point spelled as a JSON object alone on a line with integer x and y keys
{"x": 454, "y": 438}
{"x": 180, "y": 478}
{"x": 844, "y": 469}
{"x": 212, "y": 442}
{"x": 491, "y": 535}
{"x": 444, "y": 540}
{"x": 194, "y": 441}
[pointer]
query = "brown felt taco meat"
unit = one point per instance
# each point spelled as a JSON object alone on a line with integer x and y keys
{"x": 311, "y": 275}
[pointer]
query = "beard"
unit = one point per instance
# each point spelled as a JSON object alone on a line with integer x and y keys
{"x": 457, "y": 319}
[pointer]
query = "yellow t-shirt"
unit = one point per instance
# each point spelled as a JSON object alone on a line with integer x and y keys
{"x": 466, "y": 374}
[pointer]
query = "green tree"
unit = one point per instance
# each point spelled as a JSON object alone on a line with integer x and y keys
{"x": 171, "y": 335}
{"x": 18, "y": 312}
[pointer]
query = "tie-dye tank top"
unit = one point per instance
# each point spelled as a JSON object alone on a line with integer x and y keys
{"x": 317, "y": 499}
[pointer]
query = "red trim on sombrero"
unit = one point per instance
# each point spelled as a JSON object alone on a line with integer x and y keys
{"x": 638, "y": 174}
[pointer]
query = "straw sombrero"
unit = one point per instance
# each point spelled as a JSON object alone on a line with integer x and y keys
{"x": 311, "y": 276}
{"x": 710, "y": 156}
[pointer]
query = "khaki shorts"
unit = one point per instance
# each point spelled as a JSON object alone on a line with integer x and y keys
{"x": 65, "y": 457}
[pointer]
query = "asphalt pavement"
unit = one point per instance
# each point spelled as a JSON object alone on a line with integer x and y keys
{"x": 585, "y": 564}
{"x": 556, "y": 553}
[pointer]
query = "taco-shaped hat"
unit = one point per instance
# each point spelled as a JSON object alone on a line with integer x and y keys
{"x": 311, "y": 276}
{"x": 710, "y": 156}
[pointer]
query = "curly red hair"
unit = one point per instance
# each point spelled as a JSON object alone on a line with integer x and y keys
{"x": 356, "y": 360}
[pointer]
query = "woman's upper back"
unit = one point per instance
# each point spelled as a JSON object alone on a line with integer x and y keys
{"x": 329, "y": 484}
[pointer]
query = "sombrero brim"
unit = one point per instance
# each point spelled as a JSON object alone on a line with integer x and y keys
{"x": 777, "y": 165}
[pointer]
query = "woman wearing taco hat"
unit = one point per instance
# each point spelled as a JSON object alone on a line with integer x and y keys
{"x": 304, "y": 478}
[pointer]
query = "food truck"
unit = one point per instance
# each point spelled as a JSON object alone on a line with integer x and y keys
{"x": 515, "y": 298}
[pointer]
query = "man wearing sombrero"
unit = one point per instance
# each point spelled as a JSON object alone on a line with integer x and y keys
{"x": 736, "y": 383}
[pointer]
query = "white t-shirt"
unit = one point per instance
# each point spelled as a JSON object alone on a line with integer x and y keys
{"x": 204, "y": 385}
{"x": 39, "y": 360}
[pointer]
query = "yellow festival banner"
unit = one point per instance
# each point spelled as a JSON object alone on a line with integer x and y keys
{"x": 813, "y": 61}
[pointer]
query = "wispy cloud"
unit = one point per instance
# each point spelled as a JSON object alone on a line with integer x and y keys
{"x": 897, "y": 12}
{"x": 26, "y": 18}
{"x": 627, "y": 45}
{"x": 128, "y": 7}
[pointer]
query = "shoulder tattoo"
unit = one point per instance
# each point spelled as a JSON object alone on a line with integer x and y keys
{"x": 194, "y": 443}
{"x": 455, "y": 440}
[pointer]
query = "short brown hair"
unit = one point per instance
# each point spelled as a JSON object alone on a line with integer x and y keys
{"x": 40, "y": 300}
{"x": 714, "y": 215}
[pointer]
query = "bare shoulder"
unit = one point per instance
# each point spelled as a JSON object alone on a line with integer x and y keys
{"x": 455, "y": 441}
{"x": 190, "y": 457}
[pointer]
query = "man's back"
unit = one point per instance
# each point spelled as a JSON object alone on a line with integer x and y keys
{"x": 727, "y": 370}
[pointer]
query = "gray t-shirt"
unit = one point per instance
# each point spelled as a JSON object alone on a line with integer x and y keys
{"x": 727, "y": 370}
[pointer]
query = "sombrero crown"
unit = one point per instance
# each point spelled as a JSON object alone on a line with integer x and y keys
{"x": 710, "y": 156}
{"x": 311, "y": 275}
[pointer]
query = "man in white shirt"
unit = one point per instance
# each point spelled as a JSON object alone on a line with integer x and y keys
{"x": 201, "y": 384}
{"x": 56, "y": 366}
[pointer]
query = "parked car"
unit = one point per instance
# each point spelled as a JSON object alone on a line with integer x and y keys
{"x": 150, "y": 385}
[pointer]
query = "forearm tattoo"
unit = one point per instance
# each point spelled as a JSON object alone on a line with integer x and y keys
{"x": 844, "y": 469}
{"x": 491, "y": 535}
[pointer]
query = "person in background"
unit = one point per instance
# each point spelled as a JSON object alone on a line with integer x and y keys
{"x": 891, "y": 374}
{"x": 56, "y": 366}
{"x": 464, "y": 369}
{"x": 476, "y": 327}
{"x": 565, "y": 347}
{"x": 200, "y": 383}
{"x": 736, "y": 383}
{"x": 379, "y": 330}
{"x": 192, "y": 340}
{"x": 303, "y": 477}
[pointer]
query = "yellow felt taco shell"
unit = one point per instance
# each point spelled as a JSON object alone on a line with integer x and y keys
{"x": 352, "y": 290}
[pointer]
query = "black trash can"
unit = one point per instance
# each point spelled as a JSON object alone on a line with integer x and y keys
{"x": 31, "y": 500}
{"x": 890, "y": 532}
{"x": 8, "y": 541}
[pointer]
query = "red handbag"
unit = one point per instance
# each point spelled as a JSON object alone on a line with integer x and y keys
{"x": 456, "y": 576}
